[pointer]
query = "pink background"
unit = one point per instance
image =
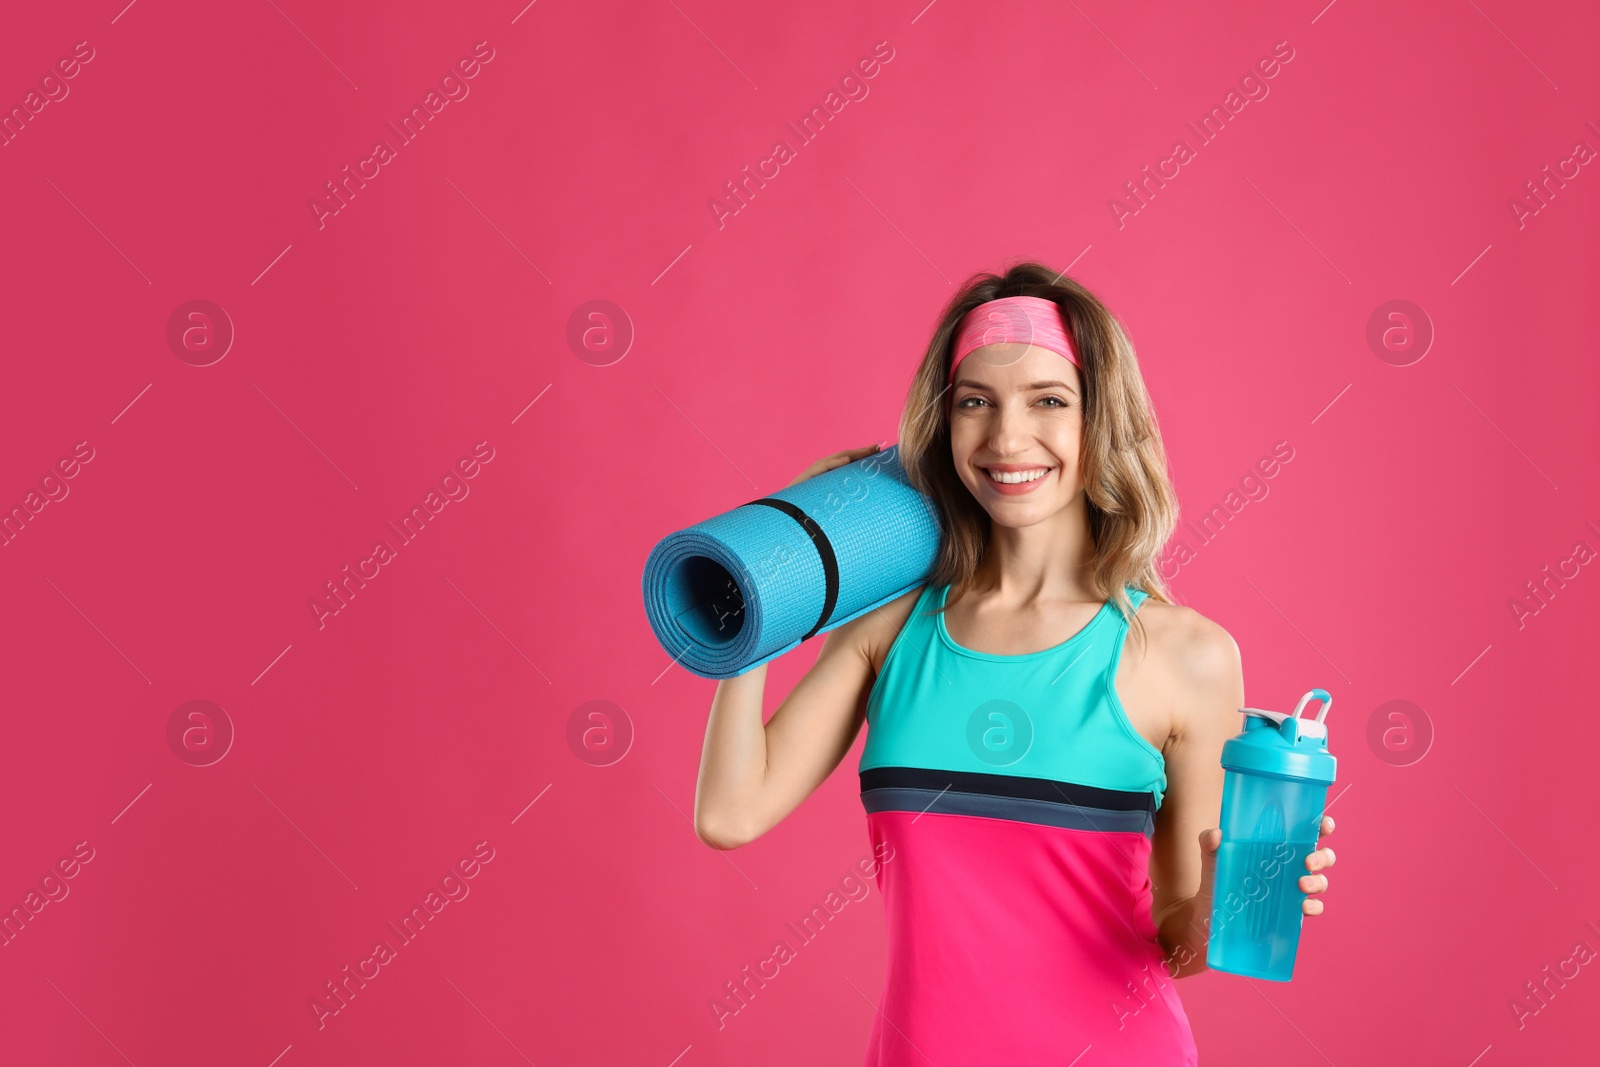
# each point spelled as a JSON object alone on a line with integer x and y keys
{"x": 431, "y": 712}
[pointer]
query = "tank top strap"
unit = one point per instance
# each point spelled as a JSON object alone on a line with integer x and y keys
{"x": 920, "y": 626}
{"x": 1120, "y": 623}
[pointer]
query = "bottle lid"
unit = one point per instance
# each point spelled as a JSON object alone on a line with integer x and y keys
{"x": 1284, "y": 746}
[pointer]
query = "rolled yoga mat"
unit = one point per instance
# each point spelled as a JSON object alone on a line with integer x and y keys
{"x": 746, "y": 586}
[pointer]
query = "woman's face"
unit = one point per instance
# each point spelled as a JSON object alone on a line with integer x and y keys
{"x": 1016, "y": 410}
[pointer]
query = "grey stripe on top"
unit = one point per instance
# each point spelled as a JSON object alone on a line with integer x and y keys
{"x": 1066, "y": 815}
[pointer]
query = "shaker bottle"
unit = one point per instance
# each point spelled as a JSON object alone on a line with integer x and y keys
{"x": 1278, "y": 770}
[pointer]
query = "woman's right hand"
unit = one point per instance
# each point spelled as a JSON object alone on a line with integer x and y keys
{"x": 838, "y": 459}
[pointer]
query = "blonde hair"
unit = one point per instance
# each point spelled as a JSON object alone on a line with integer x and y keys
{"x": 1132, "y": 506}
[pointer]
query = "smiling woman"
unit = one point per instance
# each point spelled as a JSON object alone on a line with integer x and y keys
{"x": 1044, "y": 726}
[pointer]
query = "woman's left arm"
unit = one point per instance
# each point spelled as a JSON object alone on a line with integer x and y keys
{"x": 1206, "y": 668}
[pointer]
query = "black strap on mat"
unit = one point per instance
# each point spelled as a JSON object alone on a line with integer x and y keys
{"x": 830, "y": 565}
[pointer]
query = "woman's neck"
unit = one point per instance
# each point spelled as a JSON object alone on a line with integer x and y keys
{"x": 1046, "y": 561}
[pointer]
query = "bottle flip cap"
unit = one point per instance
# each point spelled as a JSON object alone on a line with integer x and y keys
{"x": 1294, "y": 748}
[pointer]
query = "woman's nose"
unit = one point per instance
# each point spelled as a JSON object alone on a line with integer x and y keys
{"x": 1009, "y": 431}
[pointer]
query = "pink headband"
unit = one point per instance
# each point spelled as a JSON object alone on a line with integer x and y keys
{"x": 1027, "y": 319}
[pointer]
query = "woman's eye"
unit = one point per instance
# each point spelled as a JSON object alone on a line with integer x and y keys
{"x": 972, "y": 401}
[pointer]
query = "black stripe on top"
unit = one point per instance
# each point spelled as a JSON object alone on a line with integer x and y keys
{"x": 1007, "y": 785}
{"x": 830, "y": 564}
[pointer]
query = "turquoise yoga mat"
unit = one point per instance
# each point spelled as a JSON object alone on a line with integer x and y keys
{"x": 746, "y": 586}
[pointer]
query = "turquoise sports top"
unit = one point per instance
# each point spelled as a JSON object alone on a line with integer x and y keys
{"x": 1052, "y": 714}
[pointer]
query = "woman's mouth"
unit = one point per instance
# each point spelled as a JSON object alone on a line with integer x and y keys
{"x": 1012, "y": 480}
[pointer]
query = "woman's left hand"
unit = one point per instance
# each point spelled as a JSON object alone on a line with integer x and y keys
{"x": 1316, "y": 883}
{"x": 1312, "y": 885}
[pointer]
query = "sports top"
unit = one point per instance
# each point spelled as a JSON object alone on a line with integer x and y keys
{"x": 1012, "y": 803}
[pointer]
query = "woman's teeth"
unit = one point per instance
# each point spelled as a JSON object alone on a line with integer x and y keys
{"x": 1013, "y": 477}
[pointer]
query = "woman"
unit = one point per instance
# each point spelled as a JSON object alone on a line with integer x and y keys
{"x": 1042, "y": 769}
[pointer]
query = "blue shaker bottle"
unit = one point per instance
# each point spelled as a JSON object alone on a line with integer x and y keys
{"x": 1277, "y": 775}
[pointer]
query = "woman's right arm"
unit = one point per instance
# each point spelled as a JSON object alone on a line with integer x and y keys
{"x": 753, "y": 774}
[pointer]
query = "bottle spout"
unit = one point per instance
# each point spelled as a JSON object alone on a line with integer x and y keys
{"x": 1314, "y": 728}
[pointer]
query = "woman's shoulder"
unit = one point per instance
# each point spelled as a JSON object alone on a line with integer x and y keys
{"x": 1189, "y": 647}
{"x": 874, "y": 632}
